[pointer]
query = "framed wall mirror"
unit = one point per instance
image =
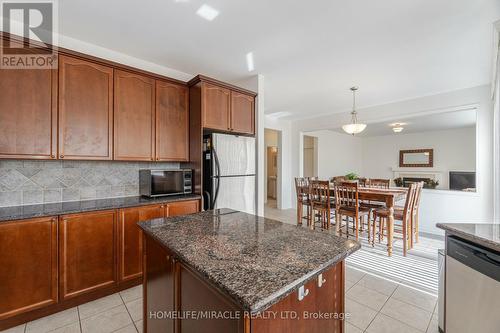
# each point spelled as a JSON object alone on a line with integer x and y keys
{"x": 416, "y": 158}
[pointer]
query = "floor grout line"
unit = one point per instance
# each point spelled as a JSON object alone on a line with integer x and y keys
{"x": 79, "y": 319}
{"x": 133, "y": 323}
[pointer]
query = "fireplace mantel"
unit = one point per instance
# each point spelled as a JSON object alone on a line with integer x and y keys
{"x": 431, "y": 173}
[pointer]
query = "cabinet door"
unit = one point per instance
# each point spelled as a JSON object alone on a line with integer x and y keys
{"x": 134, "y": 117}
{"x": 183, "y": 208}
{"x": 28, "y": 113}
{"x": 130, "y": 239}
{"x": 87, "y": 252}
{"x": 216, "y": 105}
{"x": 85, "y": 110}
{"x": 172, "y": 122}
{"x": 28, "y": 261}
{"x": 242, "y": 113}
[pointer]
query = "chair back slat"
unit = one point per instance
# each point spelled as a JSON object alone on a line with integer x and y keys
{"x": 320, "y": 190}
{"x": 418, "y": 193}
{"x": 409, "y": 202}
{"x": 346, "y": 194}
{"x": 378, "y": 183}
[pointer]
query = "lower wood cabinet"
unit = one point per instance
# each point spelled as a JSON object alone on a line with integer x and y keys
{"x": 28, "y": 261}
{"x": 182, "y": 208}
{"x": 87, "y": 252}
{"x": 130, "y": 239}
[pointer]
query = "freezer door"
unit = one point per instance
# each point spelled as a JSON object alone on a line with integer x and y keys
{"x": 237, "y": 193}
{"x": 236, "y": 154}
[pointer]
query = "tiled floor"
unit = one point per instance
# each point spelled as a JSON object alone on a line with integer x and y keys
{"x": 120, "y": 313}
{"x": 383, "y": 294}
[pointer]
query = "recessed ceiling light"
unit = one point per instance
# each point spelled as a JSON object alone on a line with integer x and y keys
{"x": 397, "y": 124}
{"x": 250, "y": 65}
{"x": 207, "y": 12}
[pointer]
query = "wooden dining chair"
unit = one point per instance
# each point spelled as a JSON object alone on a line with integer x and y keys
{"x": 302, "y": 188}
{"x": 348, "y": 205}
{"x": 416, "y": 206}
{"x": 378, "y": 183}
{"x": 404, "y": 216}
{"x": 321, "y": 202}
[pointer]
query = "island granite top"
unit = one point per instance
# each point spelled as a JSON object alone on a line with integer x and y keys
{"x": 254, "y": 260}
{"x": 71, "y": 207}
{"x": 484, "y": 234}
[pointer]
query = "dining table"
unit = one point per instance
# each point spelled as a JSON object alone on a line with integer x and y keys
{"x": 387, "y": 196}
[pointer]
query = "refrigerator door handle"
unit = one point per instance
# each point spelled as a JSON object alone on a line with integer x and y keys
{"x": 217, "y": 176}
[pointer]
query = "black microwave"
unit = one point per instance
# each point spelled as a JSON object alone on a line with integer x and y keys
{"x": 156, "y": 183}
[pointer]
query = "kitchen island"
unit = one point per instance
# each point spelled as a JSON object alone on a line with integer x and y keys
{"x": 228, "y": 271}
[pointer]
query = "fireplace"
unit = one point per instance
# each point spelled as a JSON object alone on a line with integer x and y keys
{"x": 407, "y": 181}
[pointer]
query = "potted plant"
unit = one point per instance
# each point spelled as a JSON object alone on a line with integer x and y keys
{"x": 351, "y": 176}
{"x": 398, "y": 181}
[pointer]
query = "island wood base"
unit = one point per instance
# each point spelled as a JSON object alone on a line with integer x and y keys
{"x": 172, "y": 289}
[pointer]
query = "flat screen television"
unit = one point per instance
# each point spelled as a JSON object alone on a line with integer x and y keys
{"x": 461, "y": 180}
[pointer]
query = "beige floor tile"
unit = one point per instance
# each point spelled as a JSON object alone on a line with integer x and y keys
{"x": 52, "y": 322}
{"x": 376, "y": 283}
{"x": 349, "y": 328}
{"x": 139, "y": 325}
{"x": 17, "y": 329}
{"x": 99, "y": 305}
{"x": 353, "y": 274}
{"x": 127, "y": 329}
{"x": 135, "y": 309}
{"x": 348, "y": 285}
{"x": 368, "y": 297}
{"x": 415, "y": 297}
{"x": 408, "y": 314}
{"x": 385, "y": 324}
{"x": 359, "y": 315}
{"x": 73, "y": 328}
{"x": 433, "y": 325}
{"x": 108, "y": 321}
{"x": 131, "y": 294}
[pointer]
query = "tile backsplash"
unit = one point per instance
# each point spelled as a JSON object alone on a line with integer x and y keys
{"x": 33, "y": 182}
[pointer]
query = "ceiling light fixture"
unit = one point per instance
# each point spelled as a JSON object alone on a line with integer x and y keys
{"x": 250, "y": 64}
{"x": 207, "y": 12}
{"x": 354, "y": 127}
{"x": 397, "y": 129}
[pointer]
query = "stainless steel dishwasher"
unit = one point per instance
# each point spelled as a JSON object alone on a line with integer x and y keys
{"x": 472, "y": 288}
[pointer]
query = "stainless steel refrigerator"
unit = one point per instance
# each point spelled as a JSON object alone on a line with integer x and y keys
{"x": 229, "y": 172}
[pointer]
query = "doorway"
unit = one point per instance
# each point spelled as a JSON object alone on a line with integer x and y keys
{"x": 272, "y": 140}
{"x": 310, "y": 156}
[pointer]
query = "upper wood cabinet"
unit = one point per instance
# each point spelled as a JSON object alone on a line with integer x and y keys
{"x": 172, "y": 122}
{"x": 87, "y": 253}
{"x": 134, "y": 117}
{"x": 216, "y": 106}
{"x": 28, "y": 261}
{"x": 130, "y": 239}
{"x": 85, "y": 110}
{"x": 28, "y": 113}
{"x": 242, "y": 113}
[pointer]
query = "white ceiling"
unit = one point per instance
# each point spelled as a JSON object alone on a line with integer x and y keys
{"x": 310, "y": 53}
{"x": 425, "y": 123}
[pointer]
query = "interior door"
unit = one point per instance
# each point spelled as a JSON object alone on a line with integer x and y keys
{"x": 237, "y": 193}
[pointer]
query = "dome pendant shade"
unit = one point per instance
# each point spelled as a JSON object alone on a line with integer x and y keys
{"x": 354, "y": 127}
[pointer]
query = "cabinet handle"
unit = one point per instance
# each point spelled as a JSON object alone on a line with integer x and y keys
{"x": 321, "y": 281}
{"x": 303, "y": 293}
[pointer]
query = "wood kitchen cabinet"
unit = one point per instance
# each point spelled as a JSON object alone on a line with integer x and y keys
{"x": 28, "y": 261}
{"x": 28, "y": 113}
{"x": 134, "y": 117}
{"x": 182, "y": 208}
{"x": 130, "y": 239}
{"x": 222, "y": 107}
{"x": 172, "y": 122}
{"x": 87, "y": 252}
{"x": 85, "y": 110}
{"x": 242, "y": 113}
{"x": 216, "y": 106}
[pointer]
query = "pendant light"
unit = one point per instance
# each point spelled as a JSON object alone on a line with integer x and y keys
{"x": 354, "y": 127}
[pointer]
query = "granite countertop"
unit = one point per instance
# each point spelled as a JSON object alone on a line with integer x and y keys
{"x": 485, "y": 234}
{"x": 254, "y": 260}
{"x": 61, "y": 208}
